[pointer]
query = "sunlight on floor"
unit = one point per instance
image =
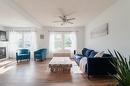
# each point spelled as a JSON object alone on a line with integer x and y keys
{"x": 75, "y": 68}
{"x": 5, "y": 66}
{"x": 4, "y": 62}
{"x": 4, "y": 69}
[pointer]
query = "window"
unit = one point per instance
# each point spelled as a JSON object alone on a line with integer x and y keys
{"x": 67, "y": 41}
{"x": 58, "y": 42}
{"x": 24, "y": 40}
{"x": 21, "y": 39}
{"x": 62, "y": 41}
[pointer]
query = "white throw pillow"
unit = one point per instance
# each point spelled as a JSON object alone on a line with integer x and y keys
{"x": 99, "y": 54}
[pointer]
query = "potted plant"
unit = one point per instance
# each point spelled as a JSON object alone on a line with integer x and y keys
{"x": 122, "y": 66}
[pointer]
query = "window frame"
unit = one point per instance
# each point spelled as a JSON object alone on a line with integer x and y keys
{"x": 63, "y": 42}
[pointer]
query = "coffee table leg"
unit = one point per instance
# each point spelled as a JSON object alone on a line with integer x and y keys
{"x": 52, "y": 70}
{"x": 60, "y": 68}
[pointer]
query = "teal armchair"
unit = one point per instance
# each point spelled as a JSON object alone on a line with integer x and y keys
{"x": 23, "y": 54}
{"x": 40, "y": 54}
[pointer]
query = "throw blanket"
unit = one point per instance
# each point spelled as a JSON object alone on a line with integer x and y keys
{"x": 82, "y": 64}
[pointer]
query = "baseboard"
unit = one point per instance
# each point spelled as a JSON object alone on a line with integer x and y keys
{"x": 3, "y": 59}
{"x": 61, "y": 54}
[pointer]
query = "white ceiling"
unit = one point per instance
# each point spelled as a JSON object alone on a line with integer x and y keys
{"x": 10, "y": 17}
{"x": 30, "y": 13}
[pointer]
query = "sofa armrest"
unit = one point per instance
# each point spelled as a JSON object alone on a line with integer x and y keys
{"x": 35, "y": 52}
{"x": 29, "y": 54}
{"x": 99, "y": 66}
{"x": 16, "y": 54}
{"x": 77, "y": 52}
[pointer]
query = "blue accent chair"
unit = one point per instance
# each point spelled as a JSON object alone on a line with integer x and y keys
{"x": 40, "y": 54}
{"x": 22, "y": 54}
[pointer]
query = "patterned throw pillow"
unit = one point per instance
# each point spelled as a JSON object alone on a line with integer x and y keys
{"x": 92, "y": 54}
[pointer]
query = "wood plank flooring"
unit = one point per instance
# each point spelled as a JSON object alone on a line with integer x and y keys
{"x": 38, "y": 74}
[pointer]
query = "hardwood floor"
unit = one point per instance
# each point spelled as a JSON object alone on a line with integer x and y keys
{"x": 38, "y": 74}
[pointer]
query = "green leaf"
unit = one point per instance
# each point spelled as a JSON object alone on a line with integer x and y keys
{"x": 122, "y": 59}
{"x": 110, "y": 53}
{"x": 122, "y": 67}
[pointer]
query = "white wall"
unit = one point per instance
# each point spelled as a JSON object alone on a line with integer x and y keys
{"x": 44, "y": 43}
{"x": 118, "y": 17}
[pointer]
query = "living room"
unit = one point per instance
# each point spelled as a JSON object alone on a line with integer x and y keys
{"x": 64, "y": 28}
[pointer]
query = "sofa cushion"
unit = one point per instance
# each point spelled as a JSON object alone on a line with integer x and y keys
{"x": 84, "y": 51}
{"x": 106, "y": 55}
{"x": 92, "y": 54}
{"x": 77, "y": 60}
{"x": 78, "y": 56}
{"x": 88, "y": 52}
{"x": 99, "y": 54}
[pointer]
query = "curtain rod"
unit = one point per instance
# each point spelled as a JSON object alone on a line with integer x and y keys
{"x": 63, "y": 31}
{"x": 22, "y": 30}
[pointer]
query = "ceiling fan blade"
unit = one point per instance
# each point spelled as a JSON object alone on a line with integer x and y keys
{"x": 71, "y": 19}
{"x": 71, "y": 22}
{"x": 57, "y": 21}
{"x": 61, "y": 17}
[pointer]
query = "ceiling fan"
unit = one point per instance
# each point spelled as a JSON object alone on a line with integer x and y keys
{"x": 64, "y": 18}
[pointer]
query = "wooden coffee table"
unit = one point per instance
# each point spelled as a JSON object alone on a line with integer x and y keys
{"x": 60, "y": 64}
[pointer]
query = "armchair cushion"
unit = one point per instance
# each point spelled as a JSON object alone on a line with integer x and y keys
{"x": 23, "y": 51}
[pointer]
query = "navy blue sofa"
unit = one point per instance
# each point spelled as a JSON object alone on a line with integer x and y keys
{"x": 95, "y": 65}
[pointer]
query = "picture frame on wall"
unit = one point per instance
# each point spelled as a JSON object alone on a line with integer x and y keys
{"x": 41, "y": 36}
{"x": 3, "y": 36}
{"x": 100, "y": 31}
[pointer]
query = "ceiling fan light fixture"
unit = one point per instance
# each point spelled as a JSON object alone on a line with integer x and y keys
{"x": 64, "y": 18}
